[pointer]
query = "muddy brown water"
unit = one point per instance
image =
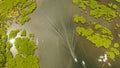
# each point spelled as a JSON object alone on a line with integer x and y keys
{"x": 53, "y": 52}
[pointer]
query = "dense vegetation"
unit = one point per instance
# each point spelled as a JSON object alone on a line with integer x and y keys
{"x": 16, "y": 11}
{"x": 96, "y": 33}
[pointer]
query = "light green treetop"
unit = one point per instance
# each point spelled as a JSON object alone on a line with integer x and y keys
{"x": 118, "y": 1}
{"x": 13, "y": 33}
{"x": 80, "y": 19}
{"x": 23, "y": 33}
